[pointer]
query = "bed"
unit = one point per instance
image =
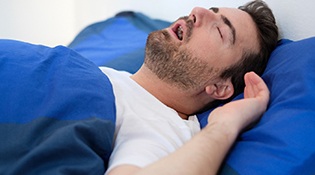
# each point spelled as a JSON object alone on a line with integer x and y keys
{"x": 53, "y": 114}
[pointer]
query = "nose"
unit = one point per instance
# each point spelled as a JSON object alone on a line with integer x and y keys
{"x": 201, "y": 15}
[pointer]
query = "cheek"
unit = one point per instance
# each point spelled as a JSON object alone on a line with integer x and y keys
{"x": 209, "y": 47}
{"x": 205, "y": 50}
{"x": 203, "y": 43}
{"x": 216, "y": 58}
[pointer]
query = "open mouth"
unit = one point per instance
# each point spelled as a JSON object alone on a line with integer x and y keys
{"x": 179, "y": 32}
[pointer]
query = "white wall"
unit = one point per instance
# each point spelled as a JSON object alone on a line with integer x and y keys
{"x": 39, "y": 21}
{"x": 296, "y": 18}
{"x": 54, "y": 22}
{"x": 169, "y": 10}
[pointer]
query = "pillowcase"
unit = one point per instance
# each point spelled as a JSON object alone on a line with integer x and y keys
{"x": 117, "y": 42}
{"x": 283, "y": 140}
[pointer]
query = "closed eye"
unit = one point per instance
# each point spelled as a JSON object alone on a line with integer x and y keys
{"x": 220, "y": 32}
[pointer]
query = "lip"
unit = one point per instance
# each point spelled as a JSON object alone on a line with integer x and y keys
{"x": 174, "y": 27}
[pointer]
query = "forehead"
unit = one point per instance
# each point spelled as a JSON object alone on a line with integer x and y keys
{"x": 245, "y": 28}
{"x": 235, "y": 15}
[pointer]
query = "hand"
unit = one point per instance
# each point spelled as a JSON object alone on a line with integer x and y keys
{"x": 241, "y": 113}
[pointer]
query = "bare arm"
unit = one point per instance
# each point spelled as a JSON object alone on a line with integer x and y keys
{"x": 204, "y": 153}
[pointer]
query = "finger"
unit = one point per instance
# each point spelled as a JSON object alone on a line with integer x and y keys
{"x": 256, "y": 80}
{"x": 248, "y": 91}
{"x": 255, "y": 86}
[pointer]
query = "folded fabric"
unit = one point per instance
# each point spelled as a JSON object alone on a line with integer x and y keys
{"x": 57, "y": 112}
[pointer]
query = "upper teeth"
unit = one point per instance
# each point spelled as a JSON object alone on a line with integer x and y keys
{"x": 180, "y": 32}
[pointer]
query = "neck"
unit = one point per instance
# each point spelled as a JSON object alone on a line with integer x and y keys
{"x": 185, "y": 103}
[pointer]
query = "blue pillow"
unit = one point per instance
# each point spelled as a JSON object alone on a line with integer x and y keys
{"x": 117, "y": 42}
{"x": 283, "y": 140}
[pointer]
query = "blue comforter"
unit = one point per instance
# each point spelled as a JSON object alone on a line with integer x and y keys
{"x": 57, "y": 112}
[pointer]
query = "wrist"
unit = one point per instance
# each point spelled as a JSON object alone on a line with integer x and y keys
{"x": 229, "y": 122}
{"x": 221, "y": 130}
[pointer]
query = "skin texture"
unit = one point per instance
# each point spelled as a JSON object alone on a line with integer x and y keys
{"x": 183, "y": 74}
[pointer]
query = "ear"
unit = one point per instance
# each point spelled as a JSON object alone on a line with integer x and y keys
{"x": 221, "y": 90}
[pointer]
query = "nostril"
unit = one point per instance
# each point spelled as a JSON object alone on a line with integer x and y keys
{"x": 196, "y": 15}
{"x": 194, "y": 18}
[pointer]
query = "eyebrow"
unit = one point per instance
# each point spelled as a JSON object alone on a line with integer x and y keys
{"x": 227, "y": 22}
{"x": 214, "y": 9}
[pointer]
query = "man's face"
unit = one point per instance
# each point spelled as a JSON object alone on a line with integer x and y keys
{"x": 194, "y": 50}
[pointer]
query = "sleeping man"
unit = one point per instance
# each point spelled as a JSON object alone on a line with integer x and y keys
{"x": 61, "y": 114}
{"x": 199, "y": 59}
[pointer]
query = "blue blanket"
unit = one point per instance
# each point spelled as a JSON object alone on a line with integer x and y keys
{"x": 57, "y": 112}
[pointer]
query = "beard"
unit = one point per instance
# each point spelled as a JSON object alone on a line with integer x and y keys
{"x": 174, "y": 64}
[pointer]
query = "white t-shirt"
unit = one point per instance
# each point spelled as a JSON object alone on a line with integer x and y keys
{"x": 146, "y": 129}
